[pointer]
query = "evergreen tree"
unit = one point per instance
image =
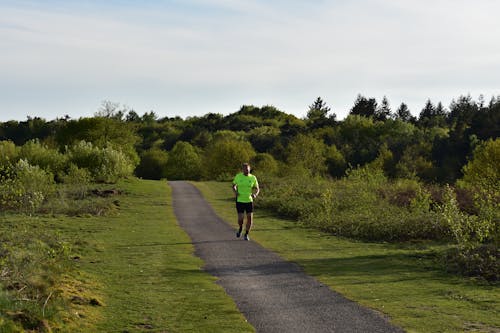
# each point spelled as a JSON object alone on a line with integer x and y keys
{"x": 364, "y": 107}
{"x": 383, "y": 112}
{"x": 433, "y": 116}
{"x": 317, "y": 114}
{"x": 404, "y": 114}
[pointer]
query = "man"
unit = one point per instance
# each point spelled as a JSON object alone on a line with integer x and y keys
{"x": 244, "y": 184}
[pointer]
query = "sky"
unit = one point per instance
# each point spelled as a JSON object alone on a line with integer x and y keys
{"x": 192, "y": 57}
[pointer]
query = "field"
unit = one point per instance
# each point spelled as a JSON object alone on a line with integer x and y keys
{"x": 132, "y": 271}
{"x": 405, "y": 281}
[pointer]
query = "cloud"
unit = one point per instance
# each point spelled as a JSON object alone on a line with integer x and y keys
{"x": 227, "y": 53}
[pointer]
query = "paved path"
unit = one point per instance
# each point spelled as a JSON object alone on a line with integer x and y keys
{"x": 273, "y": 294}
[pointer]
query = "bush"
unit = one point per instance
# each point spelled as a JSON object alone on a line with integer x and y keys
{"x": 184, "y": 162}
{"x": 353, "y": 207}
{"x": 360, "y": 206}
{"x": 482, "y": 178}
{"x": 483, "y": 171}
{"x": 481, "y": 261}
{"x": 476, "y": 237}
{"x": 265, "y": 164}
{"x": 153, "y": 164}
{"x": 8, "y": 153}
{"x": 37, "y": 154}
{"x": 335, "y": 161}
{"x": 308, "y": 153}
{"x": 106, "y": 165}
{"x": 224, "y": 157}
{"x": 76, "y": 181}
{"x": 23, "y": 187}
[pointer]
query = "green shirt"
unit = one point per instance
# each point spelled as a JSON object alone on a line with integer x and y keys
{"x": 245, "y": 184}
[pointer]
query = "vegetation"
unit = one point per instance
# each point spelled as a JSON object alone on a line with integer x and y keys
{"x": 403, "y": 280}
{"x": 377, "y": 175}
{"x": 366, "y": 205}
{"x": 108, "y": 273}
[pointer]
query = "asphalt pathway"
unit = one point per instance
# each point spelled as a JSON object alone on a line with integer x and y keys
{"x": 273, "y": 294}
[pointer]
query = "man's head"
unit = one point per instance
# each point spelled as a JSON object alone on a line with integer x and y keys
{"x": 246, "y": 168}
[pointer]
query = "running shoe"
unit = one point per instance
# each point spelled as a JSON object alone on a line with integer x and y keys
{"x": 238, "y": 234}
{"x": 246, "y": 238}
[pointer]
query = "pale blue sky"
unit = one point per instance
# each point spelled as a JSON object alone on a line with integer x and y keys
{"x": 192, "y": 57}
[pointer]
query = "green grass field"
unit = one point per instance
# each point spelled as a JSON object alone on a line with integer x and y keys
{"x": 135, "y": 271}
{"x": 404, "y": 281}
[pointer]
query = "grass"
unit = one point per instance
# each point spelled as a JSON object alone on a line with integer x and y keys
{"x": 135, "y": 271}
{"x": 405, "y": 281}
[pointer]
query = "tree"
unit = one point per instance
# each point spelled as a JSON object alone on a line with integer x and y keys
{"x": 110, "y": 109}
{"x": 462, "y": 112}
{"x": 317, "y": 114}
{"x": 264, "y": 164}
{"x": 335, "y": 162}
{"x": 384, "y": 161}
{"x": 426, "y": 114}
{"x": 485, "y": 123}
{"x": 364, "y": 107}
{"x": 264, "y": 138}
{"x": 184, "y": 162}
{"x": 224, "y": 157}
{"x": 404, "y": 114}
{"x": 153, "y": 164}
{"x": 307, "y": 153}
{"x": 132, "y": 116}
{"x": 149, "y": 117}
{"x": 483, "y": 170}
{"x": 415, "y": 162}
{"x": 383, "y": 112}
{"x": 451, "y": 153}
{"x": 358, "y": 139}
{"x": 432, "y": 116}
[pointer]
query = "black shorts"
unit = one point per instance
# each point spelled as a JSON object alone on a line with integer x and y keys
{"x": 241, "y": 207}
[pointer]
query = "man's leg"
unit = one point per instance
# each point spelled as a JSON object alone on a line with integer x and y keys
{"x": 249, "y": 223}
{"x": 240, "y": 223}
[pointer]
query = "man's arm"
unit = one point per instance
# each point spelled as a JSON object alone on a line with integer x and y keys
{"x": 235, "y": 190}
{"x": 257, "y": 190}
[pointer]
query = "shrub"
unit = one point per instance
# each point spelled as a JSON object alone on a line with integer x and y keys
{"x": 476, "y": 237}
{"x": 354, "y": 207}
{"x": 76, "y": 181}
{"x": 184, "y": 162}
{"x": 482, "y": 178}
{"x": 47, "y": 159}
{"x": 308, "y": 153}
{"x": 223, "y": 158}
{"x": 481, "y": 261}
{"x": 153, "y": 164}
{"x": 8, "y": 153}
{"x": 105, "y": 165}
{"x": 265, "y": 163}
{"x": 483, "y": 171}
{"x": 336, "y": 162}
{"x": 24, "y": 187}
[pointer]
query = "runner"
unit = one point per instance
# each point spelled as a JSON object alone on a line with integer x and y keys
{"x": 244, "y": 184}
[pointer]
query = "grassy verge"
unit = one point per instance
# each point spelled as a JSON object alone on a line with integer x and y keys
{"x": 135, "y": 271}
{"x": 402, "y": 280}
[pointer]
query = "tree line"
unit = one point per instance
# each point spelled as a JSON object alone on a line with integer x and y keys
{"x": 433, "y": 147}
